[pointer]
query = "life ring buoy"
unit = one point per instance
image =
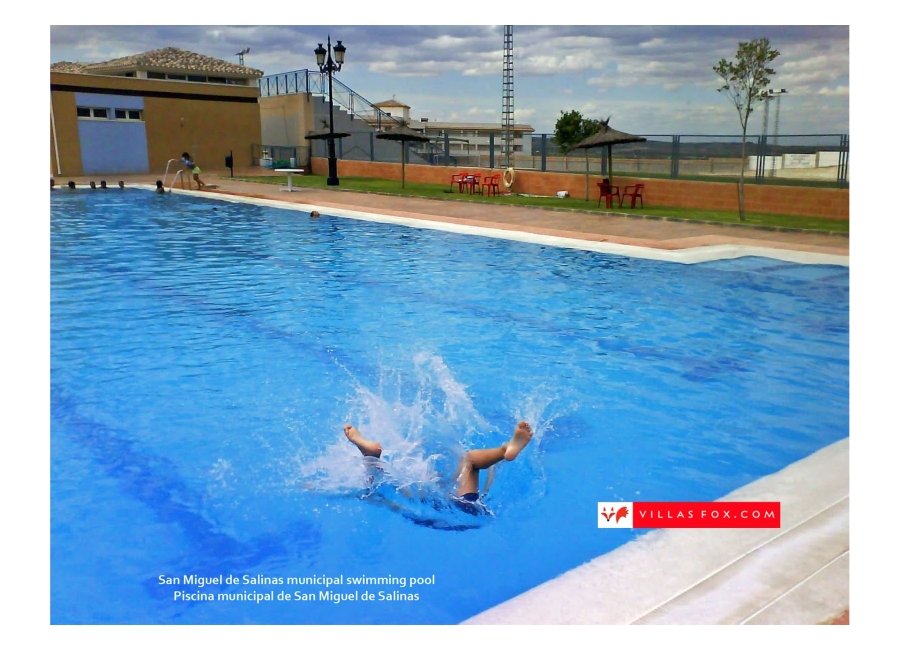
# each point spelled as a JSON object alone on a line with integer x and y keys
{"x": 509, "y": 177}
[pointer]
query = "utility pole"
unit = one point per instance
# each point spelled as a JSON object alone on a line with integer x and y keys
{"x": 508, "y": 110}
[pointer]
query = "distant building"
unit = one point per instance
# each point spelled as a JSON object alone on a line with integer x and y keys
{"x": 397, "y": 110}
{"x": 464, "y": 138}
{"x": 474, "y": 138}
{"x": 135, "y": 113}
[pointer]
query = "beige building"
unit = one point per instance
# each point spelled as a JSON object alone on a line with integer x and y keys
{"x": 135, "y": 113}
{"x": 397, "y": 110}
{"x": 464, "y": 138}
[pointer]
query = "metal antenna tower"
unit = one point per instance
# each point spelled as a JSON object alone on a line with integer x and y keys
{"x": 778, "y": 95}
{"x": 508, "y": 111}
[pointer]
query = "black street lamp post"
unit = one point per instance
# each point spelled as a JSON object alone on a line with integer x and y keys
{"x": 331, "y": 66}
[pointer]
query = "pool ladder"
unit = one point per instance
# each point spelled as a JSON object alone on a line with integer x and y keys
{"x": 175, "y": 177}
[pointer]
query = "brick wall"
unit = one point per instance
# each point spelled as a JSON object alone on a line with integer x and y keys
{"x": 827, "y": 203}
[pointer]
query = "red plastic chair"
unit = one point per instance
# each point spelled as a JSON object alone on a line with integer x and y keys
{"x": 492, "y": 183}
{"x": 608, "y": 191}
{"x": 633, "y": 192}
{"x": 458, "y": 179}
{"x": 473, "y": 183}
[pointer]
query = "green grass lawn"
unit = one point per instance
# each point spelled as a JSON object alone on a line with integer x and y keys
{"x": 431, "y": 191}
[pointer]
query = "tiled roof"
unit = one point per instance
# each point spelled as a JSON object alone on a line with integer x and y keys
{"x": 391, "y": 102}
{"x": 68, "y": 66}
{"x": 169, "y": 59}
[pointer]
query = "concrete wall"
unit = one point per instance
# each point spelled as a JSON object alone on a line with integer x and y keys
{"x": 773, "y": 199}
{"x": 828, "y": 159}
{"x": 207, "y": 120}
{"x": 285, "y": 120}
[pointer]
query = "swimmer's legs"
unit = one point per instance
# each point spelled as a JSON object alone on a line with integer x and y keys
{"x": 521, "y": 437}
{"x": 367, "y": 447}
{"x": 467, "y": 477}
{"x": 478, "y": 459}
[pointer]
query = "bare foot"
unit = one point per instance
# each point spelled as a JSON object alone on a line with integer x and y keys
{"x": 367, "y": 447}
{"x": 521, "y": 437}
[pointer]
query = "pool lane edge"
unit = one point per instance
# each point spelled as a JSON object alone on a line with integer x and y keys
{"x": 693, "y": 255}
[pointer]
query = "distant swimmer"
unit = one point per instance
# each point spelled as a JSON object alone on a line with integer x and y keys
{"x": 314, "y": 214}
{"x": 159, "y": 188}
{"x": 468, "y": 493}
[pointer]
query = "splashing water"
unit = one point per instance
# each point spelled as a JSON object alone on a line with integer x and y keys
{"x": 422, "y": 440}
{"x": 540, "y": 408}
{"x": 424, "y": 429}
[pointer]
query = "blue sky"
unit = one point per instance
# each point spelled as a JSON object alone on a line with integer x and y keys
{"x": 649, "y": 79}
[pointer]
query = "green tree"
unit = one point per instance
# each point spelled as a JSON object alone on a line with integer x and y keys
{"x": 746, "y": 81}
{"x": 572, "y": 128}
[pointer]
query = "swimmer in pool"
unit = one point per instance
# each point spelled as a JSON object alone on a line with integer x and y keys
{"x": 467, "y": 474}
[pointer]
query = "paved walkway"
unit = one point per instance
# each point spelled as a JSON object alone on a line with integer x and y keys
{"x": 629, "y": 230}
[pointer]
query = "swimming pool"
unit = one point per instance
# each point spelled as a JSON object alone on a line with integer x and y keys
{"x": 205, "y": 354}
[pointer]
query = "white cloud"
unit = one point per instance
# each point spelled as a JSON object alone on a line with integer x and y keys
{"x": 656, "y": 71}
{"x": 840, "y": 91}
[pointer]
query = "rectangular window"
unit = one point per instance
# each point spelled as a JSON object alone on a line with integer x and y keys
{"x": 156, "y": 75}
{"x": 92, "y": 112}
{"x": 176, "y": 77}
{"x": 217, "y": 80}
{"x": 196, "y": 77}
{"x": 128, "y": 114}
{"x": 128, "y": 74}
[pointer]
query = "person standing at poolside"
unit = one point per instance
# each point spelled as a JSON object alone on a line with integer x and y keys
{"x": 467, "y": 475}
{"x": 192, "y": 167}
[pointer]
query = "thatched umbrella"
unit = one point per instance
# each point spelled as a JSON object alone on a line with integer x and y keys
{"x": 403, "y": 134}
{"x": 325, "y": 134}
{"x": 605, "y": 137}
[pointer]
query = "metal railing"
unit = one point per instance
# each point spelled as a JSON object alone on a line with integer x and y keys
{"x": 790, "y": 159}
{"x": 816, "y": 160}
{"x": 357, "y": 106}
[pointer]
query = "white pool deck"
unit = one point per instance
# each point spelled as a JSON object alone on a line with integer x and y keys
{"x": 797, "y": 574}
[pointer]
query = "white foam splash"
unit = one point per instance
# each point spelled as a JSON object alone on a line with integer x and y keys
{"x": 421, "y": 439}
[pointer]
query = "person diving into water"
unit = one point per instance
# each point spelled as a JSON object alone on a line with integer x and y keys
{"x": 467, "y": 476}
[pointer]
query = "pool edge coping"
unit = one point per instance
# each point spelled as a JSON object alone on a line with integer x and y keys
{"x": 701, "y": 576}
{"x": 694, "y": 255}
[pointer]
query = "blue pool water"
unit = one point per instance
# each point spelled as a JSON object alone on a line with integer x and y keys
{"x": 204, "y": 356}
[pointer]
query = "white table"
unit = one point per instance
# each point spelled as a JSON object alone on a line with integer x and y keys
{"x": 290, "y": 175}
